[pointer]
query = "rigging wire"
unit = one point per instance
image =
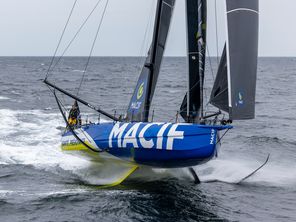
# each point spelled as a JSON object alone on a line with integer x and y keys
{"x": 197, "y": 83}
{"x": 220, "y": 139}
{"x": 210, "y": 59}
{"x": 62, "y": 106}
{"x": 76, "y": 34}
{"x": 61, "y": 38}
{"x": 148, "y": 26}
{"x": 217, "y": 35}
{"x": 212, "y": 72}
{"x": 143, "y": 49}
{"x": 53, "y": 91}
{"x": 72, "y": 129}
{"x": 217, "y": 47}
{"x": 93, "y": 45}
{"x": 211, "y": 69}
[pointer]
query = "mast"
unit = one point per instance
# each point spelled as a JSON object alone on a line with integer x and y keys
{"x": 196, "y": 13}
{"x": 140, "y": 102}
{"x": 155, "y": 34}
{"x": 202, "y": 29}
{"x": 151, "y": 64}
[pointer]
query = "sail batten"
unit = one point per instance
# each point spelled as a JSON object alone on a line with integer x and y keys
{"x": 242, "y": 9}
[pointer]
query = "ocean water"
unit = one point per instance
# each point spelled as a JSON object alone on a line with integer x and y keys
{"x": 38, "y": 182}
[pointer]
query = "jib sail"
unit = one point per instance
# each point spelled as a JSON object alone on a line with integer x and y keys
{"x": 139, "y": 106}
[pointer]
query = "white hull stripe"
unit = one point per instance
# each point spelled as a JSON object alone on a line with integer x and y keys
{"x": 82, "y": 135}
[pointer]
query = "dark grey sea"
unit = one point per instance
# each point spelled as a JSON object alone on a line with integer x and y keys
{"x": 38, "y": 182}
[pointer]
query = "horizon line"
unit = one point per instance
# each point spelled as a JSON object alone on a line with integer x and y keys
{"x": 127, "y": 56}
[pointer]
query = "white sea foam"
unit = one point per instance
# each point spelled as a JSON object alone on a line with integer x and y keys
{"x": 4, "y": 98}
{"x": 77, "y": 70}
{"x": 233, "y": 170}
{"x": 5, "y": 193}
{"x": 32, "y": 138}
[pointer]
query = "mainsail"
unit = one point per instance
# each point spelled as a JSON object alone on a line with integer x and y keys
{"x": 239, "y": 59}
{"x": 139, "y": 106}
{"x": 196, "y": 10}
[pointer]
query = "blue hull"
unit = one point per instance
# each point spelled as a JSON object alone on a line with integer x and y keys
{"x": 153, "y": 144}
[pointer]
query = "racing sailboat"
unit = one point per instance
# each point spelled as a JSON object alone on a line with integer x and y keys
{"x": 133, "y": 141}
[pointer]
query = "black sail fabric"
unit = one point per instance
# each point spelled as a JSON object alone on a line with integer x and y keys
{"x": 196, "y": 11}
{"x": 242, "y": 44}
{"x": 139, "y": 106}
{"x": 219, "y": 95}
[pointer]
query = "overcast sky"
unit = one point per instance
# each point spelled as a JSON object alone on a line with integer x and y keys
{"x": 33, "y": 27}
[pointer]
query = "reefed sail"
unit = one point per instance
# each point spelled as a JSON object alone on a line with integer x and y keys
{"x": 241, "y": 59}
{"x": 139, "y": 106}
